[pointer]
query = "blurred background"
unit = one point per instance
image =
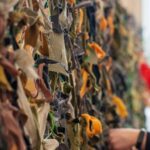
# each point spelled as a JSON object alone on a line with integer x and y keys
{"x": 140, "y": 10}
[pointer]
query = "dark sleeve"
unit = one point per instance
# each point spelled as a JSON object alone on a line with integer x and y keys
{"x": 148, "y": 142}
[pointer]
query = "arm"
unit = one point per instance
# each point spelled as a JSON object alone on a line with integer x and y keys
{"x": 124, "y": 139}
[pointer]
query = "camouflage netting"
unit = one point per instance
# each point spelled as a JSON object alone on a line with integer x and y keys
{"x": 68, "y": 73}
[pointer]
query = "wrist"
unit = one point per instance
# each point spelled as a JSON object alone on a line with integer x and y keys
{"x": 134, "y": 136}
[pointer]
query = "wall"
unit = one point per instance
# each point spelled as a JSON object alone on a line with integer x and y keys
{"x": 135, "y": 8}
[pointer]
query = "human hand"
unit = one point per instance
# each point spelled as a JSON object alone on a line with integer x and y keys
{"x": 123, "y": 139}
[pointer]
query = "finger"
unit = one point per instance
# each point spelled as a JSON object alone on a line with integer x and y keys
{"x": 110, "y": 143}
{"x": 110, "y": 147}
